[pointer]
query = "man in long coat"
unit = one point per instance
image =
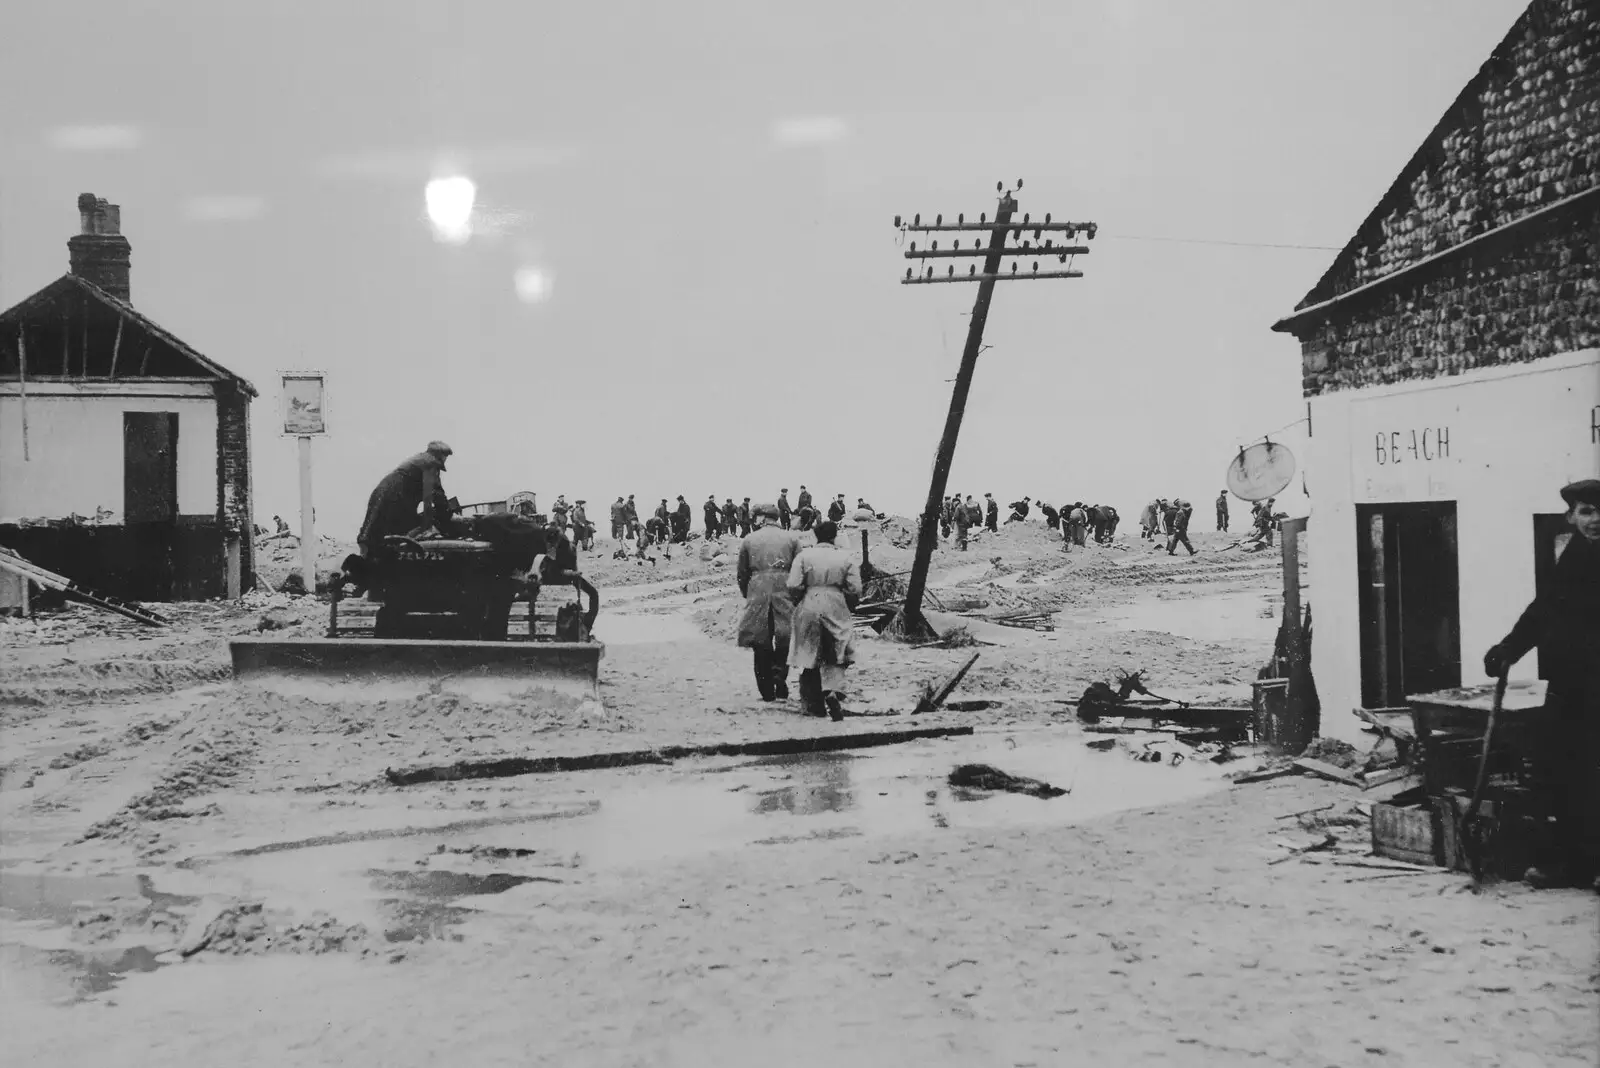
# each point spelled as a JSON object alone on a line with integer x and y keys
{"x": 713, "y": 517}
{"x": 746, "y": 518}
{"x": 1222, "y": 511}
{"x": 991, "y": 513}
{"x": 962, "y": 519}
{"x": 765, "y": 558}
{"x": 631, "y": 517}
{"x": 392, "y": 508}
{"x": 619, "y": 519}
{"x": 785, "y": 513}
{"x": 681, "y": 520}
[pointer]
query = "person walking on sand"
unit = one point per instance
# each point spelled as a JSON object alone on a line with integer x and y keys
{"x": 765, "y": 559}
{"x": 825, "y": 584}
{"x": 1182, "y": 510}
{"x": 1222, "y": 512}
{"x": 963, "y": 522}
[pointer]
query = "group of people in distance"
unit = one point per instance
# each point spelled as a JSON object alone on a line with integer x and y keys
{"x": 671, "y": 524}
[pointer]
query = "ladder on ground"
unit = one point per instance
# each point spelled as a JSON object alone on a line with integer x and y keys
{"x": 17, "y": 565}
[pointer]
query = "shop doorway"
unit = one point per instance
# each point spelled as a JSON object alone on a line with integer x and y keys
{"x": 1410, "y": 597}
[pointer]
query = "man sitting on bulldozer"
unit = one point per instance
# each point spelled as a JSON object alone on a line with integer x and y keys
{"x": 392, "y": 507}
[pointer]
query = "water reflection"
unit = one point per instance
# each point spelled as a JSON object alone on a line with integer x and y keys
{"x": 824, "y": 786}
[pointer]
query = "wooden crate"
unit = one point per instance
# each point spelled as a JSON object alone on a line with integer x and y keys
{"x": 1406, "y": 832}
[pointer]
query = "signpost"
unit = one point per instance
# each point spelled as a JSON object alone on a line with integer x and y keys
{"x": 305, "y": 417}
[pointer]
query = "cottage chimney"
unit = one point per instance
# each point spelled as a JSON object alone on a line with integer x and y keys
{"x": 98, "y": 252}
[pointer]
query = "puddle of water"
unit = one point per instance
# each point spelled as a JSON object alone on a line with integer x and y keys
{"x": 1250, "y": 615}
{"x": 428, "y": 909}
{"x": 58, "y": 899}
{"x": 411, "y": 888}
{"x": 70, "y": 975}
{"x": 645, "y": 629}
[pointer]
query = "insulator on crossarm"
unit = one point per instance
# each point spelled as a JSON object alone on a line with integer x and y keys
{"x": 961, "y": 218}
{"x": 999, "y": 187}
{"x": 982, "y": 218}
{"x": 930, "y": 272}
{"x": 913, "y": 246}
{"x": 1013, "y": 268}
{"x": 1024, "y": 218}
{"x": 916, "y": 220}
{"x": 951, "y": 273}
{"x": 1035, "y": 266}
{"x": 1091, "y": 231}
{"x": 938, "y": 220}
{"x": 972, "y": 269}
{"x": 1036, "y": 234}
{"x": 1047, "y": 218}
{"x": 897, "y": 222}
{"x": 936, "y": 246}
{"x": 908, "y": 272}
{"x": 1019, "y": 183}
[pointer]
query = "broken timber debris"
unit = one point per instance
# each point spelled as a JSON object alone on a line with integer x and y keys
{"x": 984, "y": 777}
{"x": 18, "y": 565}
{"x": 1327, "y": 771}
{"x": 931, "y": 701}
{"x": 504, "y": 768}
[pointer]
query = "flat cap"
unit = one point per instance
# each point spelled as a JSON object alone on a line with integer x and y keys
{"x": 1584, "y": 491}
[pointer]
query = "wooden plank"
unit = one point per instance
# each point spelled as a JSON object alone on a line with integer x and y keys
{"x": 931, "y": 704}
{"x": 1327, "y": 771}
{"x": 1383, "y": 775}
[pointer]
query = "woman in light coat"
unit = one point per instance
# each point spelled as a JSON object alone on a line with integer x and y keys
{"x": 825, "y": 584}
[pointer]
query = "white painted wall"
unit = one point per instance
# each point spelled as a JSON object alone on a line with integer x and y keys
{"x": 1516, "y": 435}
{"x": 76, "y": 455}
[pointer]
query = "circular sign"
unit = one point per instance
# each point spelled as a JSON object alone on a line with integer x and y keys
{"x": 1261, "y": 471}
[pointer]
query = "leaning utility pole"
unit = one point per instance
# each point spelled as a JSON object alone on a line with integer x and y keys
{"x": 910, "y": 622}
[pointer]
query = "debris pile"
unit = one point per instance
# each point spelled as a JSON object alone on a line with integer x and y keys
{"x": 984, "y": 777}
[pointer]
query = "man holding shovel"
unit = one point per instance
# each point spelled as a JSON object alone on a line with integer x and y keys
{"x": 1564, "y": 623}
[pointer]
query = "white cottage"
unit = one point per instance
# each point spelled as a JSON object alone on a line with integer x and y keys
{"x": 124, "y": 453}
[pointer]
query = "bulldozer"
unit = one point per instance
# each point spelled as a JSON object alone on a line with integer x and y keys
{"x": 457, "y": 605}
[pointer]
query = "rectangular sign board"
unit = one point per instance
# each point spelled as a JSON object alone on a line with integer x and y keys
{"x": 304, "y": 404}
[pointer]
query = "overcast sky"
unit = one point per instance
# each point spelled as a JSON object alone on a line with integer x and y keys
{"x": 682, "y": 275}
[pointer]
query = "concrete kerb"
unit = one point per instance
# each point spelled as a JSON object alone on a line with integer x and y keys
{"x": 511, "y": 766}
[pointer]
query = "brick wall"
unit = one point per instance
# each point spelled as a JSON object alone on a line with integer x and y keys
{"x": 233, "y": 476}
{"x": 1534, "y": 301}
{"x": 1523, "y": 135}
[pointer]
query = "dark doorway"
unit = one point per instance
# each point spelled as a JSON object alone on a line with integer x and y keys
{"x": 150, "y": 499}
{"x": 1406, "y": 557}
{"x": 1551, "y": 532}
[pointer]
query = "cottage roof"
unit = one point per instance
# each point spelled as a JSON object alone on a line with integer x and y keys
{"x": 61, "y": 293}
{"x": 1465, "y": 112}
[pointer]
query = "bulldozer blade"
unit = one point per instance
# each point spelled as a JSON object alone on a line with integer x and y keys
{"x": 378, "y": 668}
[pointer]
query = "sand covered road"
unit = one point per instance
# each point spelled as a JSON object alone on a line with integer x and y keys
{"x": 1149, "y": 937}
{"x": 1152, "y": 938}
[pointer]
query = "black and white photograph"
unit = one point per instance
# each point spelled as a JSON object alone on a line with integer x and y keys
{"x": 862, "y": 533}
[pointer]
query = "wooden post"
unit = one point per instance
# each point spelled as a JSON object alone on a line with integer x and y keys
{"x": 1290, "y": 529}
{"x": 912, "y": 624}
{"x": 66, "y": 345}
{"x": 308, "y": 533}
{"x": 116, "y": 346}
{"x": 22, "y": 385}
{"x": 863, "y": 549}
